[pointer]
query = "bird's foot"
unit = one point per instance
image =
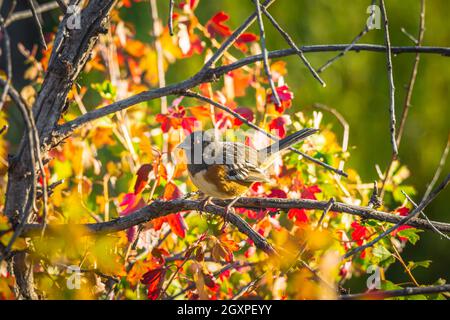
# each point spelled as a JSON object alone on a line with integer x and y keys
{"x": 228, "y": 211}
{"x": 204, "y": 203}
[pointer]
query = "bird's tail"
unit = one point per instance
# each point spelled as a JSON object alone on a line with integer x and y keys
{"x": 285, "y": 143}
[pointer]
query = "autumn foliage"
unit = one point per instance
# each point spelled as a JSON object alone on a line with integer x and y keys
{"x": 123, "y": 162}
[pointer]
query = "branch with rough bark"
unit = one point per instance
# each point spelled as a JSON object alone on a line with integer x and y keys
{"x": 71, "y": 51}
{"x": 65, "y": 130}
{"x": 410, "y": 291}
{"x": 160, "y": 208}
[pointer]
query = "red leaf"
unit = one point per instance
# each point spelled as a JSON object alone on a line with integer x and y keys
{"x": 396, "y": 231}
{"x": 285, "y": 96}
{"x": 277, "y": 193}
{"x": 132, "y": 203}
{"x": 177, "y": 224}
{"x": 247, "y": 37}
{"x": 300, "y": 216}
{"x": 154, "y": 280}
{"x": 172, "y": 191}
{"x": 210, "y": 282}
{"x": 175, "y": 118}
{"x": 142, "y": 177}
{"x": 246, "y": 113}
{"x": 310, "y": 192}
{"x": 216, "y": 26}
{"x": 243, "y": 39}
{"x": 175, "y": 220}
{"x": 128, "y": 200}
{"x": 278, "y": 124}
{"x": 403, "y": 211}
{"x": 359, "y": 234}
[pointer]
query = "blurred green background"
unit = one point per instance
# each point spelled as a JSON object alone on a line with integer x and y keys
{"x": 357, "y": 87}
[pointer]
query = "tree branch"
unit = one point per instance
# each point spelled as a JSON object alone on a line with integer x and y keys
{"x": 410, "y": 291}
{"x": 25, "y": 14}
{"x": 422, "y": 205}
{"x": 65, "y": 130}
{"x": 391, "y": 79}
{"x": 160, "y": 208}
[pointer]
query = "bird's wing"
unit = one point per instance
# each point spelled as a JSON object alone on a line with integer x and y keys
{"x": 242, "y": 162}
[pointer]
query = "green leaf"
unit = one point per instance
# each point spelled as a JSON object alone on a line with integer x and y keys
{"x": 414, "y": 264}
{"x": 388, "y": 285}
{"x": 381, "y": 253}
{"x": 410, "y": 234}
{"x": 105, "y": 89}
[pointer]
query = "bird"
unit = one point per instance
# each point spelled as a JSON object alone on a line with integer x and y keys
{"x": 227, "y": 170}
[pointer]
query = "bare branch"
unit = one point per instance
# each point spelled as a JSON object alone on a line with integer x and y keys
{"x": 66, "y": 129}
{"x": 160, "y": 208}
{"x": 390, "y": 78}
{"x": 38, "y": 23}
{"x": 403, "y": 221}
{"x": 252, "y": 125}
{"x": 350, "y": 46}
{"x": 425, "y": 216}
{"x": 232, "y": 38}
{"x": 265, "y": 54}
{"x": 8, "y": 62}
{"x": 170, "y": 22}
{"x": 439, "y": 169}
{"x": 25, "y": 14}
{"x": 413, "y": 76}
{"x": 410, "y": 291}
{"x": 292, "y": 44}
{"x": 407, "y": 103}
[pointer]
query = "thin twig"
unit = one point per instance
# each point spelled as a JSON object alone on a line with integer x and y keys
{"x": 252, "y": 125}
{"x": 441, "y": 165}
{"x": 251, "y": 286}
{"x": 232, "y": 38}
{"x": 8, "y": 62}
{"x": 25, "y": 14}
{"x": 38, "y": 23}
{"x": 345, "y": 126}
{"x": 63, "y": 131}
{"x": 171, "y": 3}
{"x": 410, "y": 291}
{"x": 390, "y": 78}
{"x": 425, "y": 216}
{"x": 262, "y": 36}
{"x": 350, "y": 46}
{"x": 423, "y": 204}
{"x": 413, "y": 76}
{"x": 62, "y": 5}
{"x": 237, "y": 264}
{"x": 325, "y": 211}
{"x": 31, "y": 129}
{"x": 292, "y": 44}
{"x": 407, "y": 103}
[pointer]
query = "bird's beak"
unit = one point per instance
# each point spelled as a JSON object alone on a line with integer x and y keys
{"x": 184, "y": 145}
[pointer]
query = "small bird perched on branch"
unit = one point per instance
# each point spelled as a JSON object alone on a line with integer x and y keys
{"x": 226, "y": 170}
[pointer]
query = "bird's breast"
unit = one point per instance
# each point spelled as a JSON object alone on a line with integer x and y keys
{"x": 213, "y": 181}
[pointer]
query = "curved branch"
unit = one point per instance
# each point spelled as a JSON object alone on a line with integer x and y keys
{"x": 209, "y": 75}
{"x": 410, "y": 291}
{"x": 155, "y": 210}
{"x": 160, "y": 208}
